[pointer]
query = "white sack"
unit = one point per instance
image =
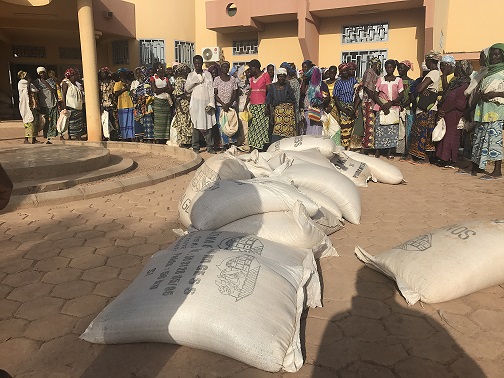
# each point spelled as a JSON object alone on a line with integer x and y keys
{"x": 325, "y": 145}
{"x": 219, "y": 167}
{"x": 229, "y": 200}
{"x": 311, "y": 156}
{"x": 381, "y": 170}
{"x": 326, "y": 221}
{"x": 445, "y": 264}
{"x": 293, "y": 228}
{"x": 240, "y": 305}
{"x": 355, "y": 170}
{"x": 323, "y": 201}
{"x": 330, "y": 183}
{"x": 252, "y": 244}
{"x": 257, "y": 164}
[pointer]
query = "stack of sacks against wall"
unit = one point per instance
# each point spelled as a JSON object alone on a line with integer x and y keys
{"x": 231, "y": 294}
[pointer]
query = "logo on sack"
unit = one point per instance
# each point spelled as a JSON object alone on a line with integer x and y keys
{"x": 246, "y": 244}
{"x": 203, "y": 177}
{"x": 421, "y": 243}
{"x": 238, "y": 276}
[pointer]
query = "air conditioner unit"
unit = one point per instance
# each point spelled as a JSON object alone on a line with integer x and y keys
{"x": 211, "y": 54}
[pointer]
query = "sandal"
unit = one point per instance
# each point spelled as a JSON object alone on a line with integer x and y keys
{"x": 490, "y": 178}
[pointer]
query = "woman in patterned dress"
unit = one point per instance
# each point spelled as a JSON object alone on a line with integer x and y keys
{"x": 343, "y": 96}
{"x": 182, "y": 119}
{"x": 226, "y": 91}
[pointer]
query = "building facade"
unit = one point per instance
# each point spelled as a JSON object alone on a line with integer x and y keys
{"x": 127, "y": 33}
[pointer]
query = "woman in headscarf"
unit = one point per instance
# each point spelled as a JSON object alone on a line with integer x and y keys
{"x": 48, "y": 101}
{"x": 259, "y": 124}
{"x": 489, "y": 115}
{"x": 369, "y": 80}
{"x": 406, "y": 115}
{"x": 28, "y": 106}
{"x": 108, "y": 100}
{"x": 316, "y": 100}
{"x": 272, "y": 72}
{"x": 225, "y": 88}
{"x": 421, "y": 145}
{"x": 182, "y": 119}
{"x": 451, "y": 107}
{"x": 343, "y": 95}
{"x": 296, "y": 88}
{"x": 214, "y": 70}
{"x": 280, "y": 102}
{"x": 163, "y": 102}
{"x": 243, "y": 93}
{"x": 447, "y": 68}
{"x": 124, "y": 106}
{"x": 142, "y": 96}
{"x": 73, "y": 99}
{"x": 389, "y": 90}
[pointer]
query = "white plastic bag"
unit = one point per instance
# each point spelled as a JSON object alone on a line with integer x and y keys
{"x": 228, "y": 122}
{"x": 444, "y": 264}
{"x": 105, "y": 124}
{"x": 439, "y": 131}
{"x": 63, "y": 120}
{"x": 331, "y": 126}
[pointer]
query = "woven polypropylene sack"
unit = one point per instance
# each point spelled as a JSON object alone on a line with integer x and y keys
{"x": 446, "y": 263}
{"x": 380, "y": 170}
{"x": 220, "y": 167}
{"x": 253, "y": 244}
{"x": 229, "y": 200}
{"x": 325, "y": 145}
{"x": 240, "y": 305}
{"x": 293, "y": 228}
{"x": 355, "y": 170}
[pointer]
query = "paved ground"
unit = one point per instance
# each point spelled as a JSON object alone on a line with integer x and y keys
{"x": 60, "y": 265}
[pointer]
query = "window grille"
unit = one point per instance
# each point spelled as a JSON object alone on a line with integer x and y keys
{"x": 70, "y": 53}
{"x": 184, "y": 52}
{"x": 362, "y": 58}
{"x": 28, "y": 51}
{"x": 245, "y": 47}
{"x": 120, "y": 52}
{"x": 365, "y": 33}
{"x": 151, "y": 51}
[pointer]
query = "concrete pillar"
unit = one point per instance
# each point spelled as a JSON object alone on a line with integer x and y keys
{"x": 90, "y": 68}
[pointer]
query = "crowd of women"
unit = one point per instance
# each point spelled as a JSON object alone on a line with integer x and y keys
{"x": 383, "y": 113}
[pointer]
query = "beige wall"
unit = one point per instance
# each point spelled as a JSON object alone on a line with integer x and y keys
{"x": 472, "y": 27}
{"x": 406, "y": 36}
{"x": 278, "y": 43}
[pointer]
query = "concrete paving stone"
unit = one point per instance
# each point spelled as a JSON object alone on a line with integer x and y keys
{"x": 4, "y": 290}
{"x": 253, "y": 373}
{"x": 8, "y": 308}
{"x": 124, "y": 261}
{"x": 75, "y": 252}
{"x": 311, "y": 371}
{"x": 39, "y": 245}
{"x": 38, "y": 253}
{"x": 22, "y": 278}
{"x": 113, "y": 250}
{"x": 15, "y": 266}
{"x": 63, "y": 233}
{"x": 466, "y": 367}
{"x": 369, "y": 308}
{"x": 488, "y": 320}
{"x": 440, "y": 347}
{"x": 51, "y": 327}
{"x": 30, "y": 292}
{"x": 11, "y": 329}
{"x": 68, "y": 243}
{"x": 454, "y": 307}
{"x": 82, "y": 324}
{"x": 458, "y": 323}
{"x": 399, "y": 305}
{"x": 52, "y": 263}
{"x": 365, "y": 369}
{"x": 485, "y": 346}
{"x": 144, "y": 249}
{"x": 131, "y": 241}
{"x": 486, "y": 300}
{"x": 88, "y": 261}
{"x": 51, "y": 228}
{"x": 39, "y": 308}
{"x": 414, "y": 367}
{"x": 361, "y": 328}
{"x": 21, "y": 227}
{"x": 99, "y": 243}
{"x": 408, "y": 326}
{"x": 129, "y": 274}
{"x": 119, "y": 234}
{"x": 14, "y": 354}
{"x": 111, "y": 288}
{"x": 27, "y": 237}
{"x": 385, "y": 352}
{"x": 72, "y": 289}
{"x": 320, "y": 331}
{"x": 107, "y": 227}
{"x": 334, "y": 355}
{"x": 100, "y": 274}
{"x": 91, "y": 234}
{"x": 375, "y": 290}
{"x": 84, "y": 305}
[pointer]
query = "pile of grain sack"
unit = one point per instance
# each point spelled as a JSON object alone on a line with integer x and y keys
{"x": 238, "y": 282}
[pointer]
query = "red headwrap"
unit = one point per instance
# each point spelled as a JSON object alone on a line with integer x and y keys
{"x": 70, "y": 72}
{"x": 408, "y": 64}
{"x": 343, "y": 67}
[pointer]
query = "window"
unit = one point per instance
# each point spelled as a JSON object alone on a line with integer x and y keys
{"x": 361, "y": 58}
{"x": 245, "y": 47}
{"x": 184, "y": 52}
{"x": 151, "y": 51}
{"x": 120, "y": 52}
{"x": 365, "y": 33}
{"x": 70, "y": 53}
{"x": 28, "y": 52}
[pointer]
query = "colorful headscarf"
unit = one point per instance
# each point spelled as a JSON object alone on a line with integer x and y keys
{"x": 69, "y": 73}
{"x": 181, "y": 68}
{"x": 242, "y": 76}
{"x": 281, "y": 71}
{"x": 313, "y": 92}
{"x": 377, "y": 61}
{"x": 105, "y": 69}
{"x": 408, "y": 64}
{"x": 433, "y": 55}
{"x": 290, "y": 71}
{"x": 214, "y": 69}
{"x": 343, "y": 67}
{"x": 122, "y": 69}
{"x": 494, "y": 68}
{"x": 448, "y": 59}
